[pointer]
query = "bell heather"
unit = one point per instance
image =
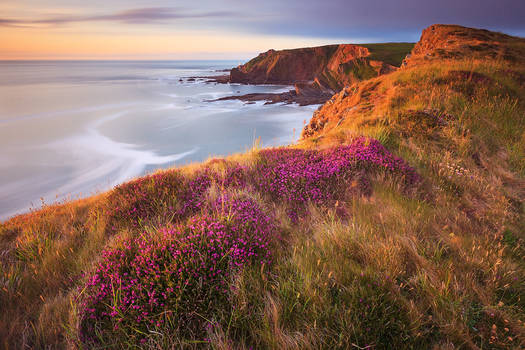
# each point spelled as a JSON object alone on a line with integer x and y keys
{"x": 178, "y": 279}
{"x": 298, "y": 176}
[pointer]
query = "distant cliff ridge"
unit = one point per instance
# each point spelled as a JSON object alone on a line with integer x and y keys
{"x": 316, "y": 72}
{"x": 330, "y": 67}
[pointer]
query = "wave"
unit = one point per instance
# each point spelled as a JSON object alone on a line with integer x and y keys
{"x": 104, "y": 161}
{"x": 66, "y": 112}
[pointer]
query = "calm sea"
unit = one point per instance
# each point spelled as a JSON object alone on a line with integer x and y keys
{"x": 73, "y": 128}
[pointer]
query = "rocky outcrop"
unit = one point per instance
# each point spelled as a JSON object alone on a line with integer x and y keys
{"x": 304, "y": 94}
{"x": 441, "y": 41}
{"x": 341, "y": 106}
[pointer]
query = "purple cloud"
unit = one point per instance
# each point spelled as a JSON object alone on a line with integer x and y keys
{"x": 140, "y": 15}
{"x": 345, "y": 20}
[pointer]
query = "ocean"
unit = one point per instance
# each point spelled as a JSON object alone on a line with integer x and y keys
{"x": 69, "y": 129}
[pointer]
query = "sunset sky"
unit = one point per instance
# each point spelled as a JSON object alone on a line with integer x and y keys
{"x": 227, "y": 29}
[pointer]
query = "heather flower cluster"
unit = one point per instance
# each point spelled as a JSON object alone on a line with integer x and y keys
{"x": 169, "y": 194}
{"x": 299, "y": 176}
{"x": 179, "y": 278}
{"x": 291, "y": 175}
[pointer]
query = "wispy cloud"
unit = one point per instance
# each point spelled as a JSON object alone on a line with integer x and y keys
{"x": 134, "y": 16}
{"x": 375, "y": 20}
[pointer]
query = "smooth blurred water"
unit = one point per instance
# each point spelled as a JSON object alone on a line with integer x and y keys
{"x": 72, "y": 128}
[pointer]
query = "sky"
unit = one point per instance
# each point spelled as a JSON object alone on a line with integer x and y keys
{"x": 228, "y": 29}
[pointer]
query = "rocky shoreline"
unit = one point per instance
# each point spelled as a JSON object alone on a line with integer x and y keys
{"x": 303, "y": 95}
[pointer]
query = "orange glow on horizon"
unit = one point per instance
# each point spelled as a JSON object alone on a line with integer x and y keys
{"x": 82, "y": 42}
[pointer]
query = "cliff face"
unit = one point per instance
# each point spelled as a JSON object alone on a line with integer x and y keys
{"x": 352, "y": 100}
{"x": 441, "y": 41}
{"x": 331, "y": 66}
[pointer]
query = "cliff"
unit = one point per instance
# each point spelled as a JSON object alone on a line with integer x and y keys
{"x": 331, "y": 66}
{"x": 316, "y": 72}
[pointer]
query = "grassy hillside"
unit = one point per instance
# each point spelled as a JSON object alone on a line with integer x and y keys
{"x": 398, "y": 222}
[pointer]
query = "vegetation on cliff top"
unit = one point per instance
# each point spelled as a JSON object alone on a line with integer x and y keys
{"x": 398, "y": 222}
{"x": 390, "y": 53}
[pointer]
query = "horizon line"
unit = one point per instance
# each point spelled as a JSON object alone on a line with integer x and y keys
{"x": 244, "y": 55}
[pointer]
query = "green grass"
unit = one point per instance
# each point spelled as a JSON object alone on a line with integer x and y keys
{"x": 391, "y": 53}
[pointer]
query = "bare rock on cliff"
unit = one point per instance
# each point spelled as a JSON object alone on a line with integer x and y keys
{"x": 441, "y": 41}
{"x": 342, "y": 106}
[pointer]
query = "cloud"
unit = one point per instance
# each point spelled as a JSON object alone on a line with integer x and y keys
{"x": 140, "y": 15}
{"x": 378, "y": 18}
{"x": 6, "y": 22}
{"x": 343, "y": 20}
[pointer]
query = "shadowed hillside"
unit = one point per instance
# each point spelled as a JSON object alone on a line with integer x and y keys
{"x": 397, "y": 222}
